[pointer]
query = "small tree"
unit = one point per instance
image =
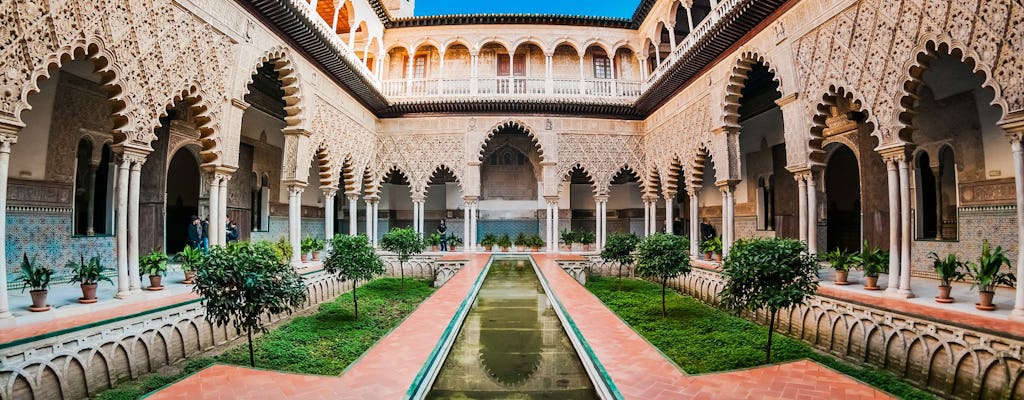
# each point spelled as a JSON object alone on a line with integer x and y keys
{"x": 404, "y": 242}
{"x": 242, "y": 282}
{"x": 619, "y": 248}
{"x": 768, "y": 273}
{"x": 352, "y": 257}
{"x": 663, "y": 256}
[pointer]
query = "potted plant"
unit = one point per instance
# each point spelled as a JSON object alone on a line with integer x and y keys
{"x": 504, "y": 242}
{"x": 521, "y": 242}
{"x": 841, "y": 261}
{"x": 948, "y": 269}
{"x": 987, "y": 275}
{"x": 318, "y": 246}
{"x": 155, "y": 265}
{"x": 567, "y": 236}
{"x": 536, "y": 242}
{"x": 713, "y": 246}
{"x": 190, "y": 259}
{"x": 434, "y": 240}
{"x": 706, "y": 248}
{"x": 37, "y": 278}
{"x": 489, "y": 241}
{"x": 873, "y": 261}
{"x": 453, "y": 242}
{"x": 283, "y": 249}
{"x": 88, "y": 274}
{"x": 305, "y": 247}
{"x": 587, "y": 238}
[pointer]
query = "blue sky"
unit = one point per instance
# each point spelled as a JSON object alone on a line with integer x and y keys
{"x": 602, "y": 8}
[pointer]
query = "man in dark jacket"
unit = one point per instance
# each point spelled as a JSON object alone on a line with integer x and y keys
{"x": 707, "y": 231}
{"x": 232, "y": 231}
{"x": 195, "y": 233}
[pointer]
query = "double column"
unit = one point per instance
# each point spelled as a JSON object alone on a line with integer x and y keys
{"x": 552, "y": 223}
{"x": 417, "y": 213}
{"x": 601, "y": 228}
{"x": 329, "y": 193}
{"x": 728, "y": 215}
{"x": 7, "y": 139}
{"x": 218, "y": 205}
{"x": 129, "y": 173}
{"x": 470, "y": 214}
{"x": 650, "y": 215}
{"x": 694, "y": 224}
{"x": 295, "y": 218}
{"x": 669, "y": 200}
{"x": 898, "y": 178}
{"x": 371, "y": 217}
{"x": 807, "y": 210}
{"x": 353, "y": 215}
{"x": 1014, "y": 127}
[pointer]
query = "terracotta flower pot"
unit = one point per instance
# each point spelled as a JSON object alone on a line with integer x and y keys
{"x": 707, "y": 256}
{"x": 504, "y": 249}
{"x": 943, "y": 296}
{"x": 88, "y": 294}
{"x": 871, "y": 283}
{"x": 985, "y": 301}
{"x": 841, "y": 277}
{"x": 534, "y": 249}
{"x": 303, "y": 257}
{"x": 566, "y": 247}
{"x": 718, "y": 257}
{"x": 521, "y": 249}
{"x": 190, "y": 277}
{"x": 39, "y": 301}
{"x": 432, "y": 248}
{"x": 155, "y": 282}
{"x": 316, "y": 256}
{"x": 488, "y": 248}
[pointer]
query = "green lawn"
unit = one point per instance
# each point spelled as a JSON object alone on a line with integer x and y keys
{"x": 703, "y": 339}
{"x": 323, "y": 343}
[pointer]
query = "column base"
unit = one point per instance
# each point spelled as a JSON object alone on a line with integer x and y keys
{"x": 891, "y": 292}
{"x": 123, "y": 295}
{"x": 1017, "y": 315}
{"x": 135, "y": 291}
{"x": 905, "y": 294}
{"x": 6, "y": 314}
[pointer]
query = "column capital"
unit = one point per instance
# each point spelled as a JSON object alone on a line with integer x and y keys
{"x": 728, "y": 184}
{"x": 1013, "y": 124}
{"x": 669, "y": 195}
{"x": 601, "y": 198}
{"x": 726, "y": 130}
{"x": 297, "y": 131}
{"x": 692, "y": 191}
{"x": 131, "y": 153}
{"x": 352, "y": 196}
{"x": 896, "y": 153}
{"x": 329, "y": 192}
{"x": 787, "y": 99}
{"x": 10, "y": 127}
{"x": 418, "y": 198}
{"x": 372, "y": 199}
{"x": 551, "y": 199}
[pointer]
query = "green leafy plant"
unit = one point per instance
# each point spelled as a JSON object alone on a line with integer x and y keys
{"x": 434, "y": 239}
{"x": 404, "y": 242}
{"x": 243, "y": 282}
{"x": 504, "y": 241}
{"x": 619, "y": 248}
{"x": 190, "y": 258}
{"x": 353, "y": 258}
{"x": 35, "y": 277}
{"x": 840, "y": 260}
{"x": 768, "y": 274}
{"x": 536, "y": 241}
{"x": 949, "y": 269}
{"x": 283, "y": 249}
{"x": 662, "y": 257}
{"x": 871, "y": 260}
{"x": 522, "y": 239}
{"x": 310, "y": 244}
{"x": 489, "y": 240}
{"x": 587, "y": 238}
{"x": 986, "y": 273}
{"x": 153, "y": 264}
{"x": 713, "y": 245}
{"x": 454, "y": 241}
{"x": 88, "y": 273}
{"x": 568, "y": 236}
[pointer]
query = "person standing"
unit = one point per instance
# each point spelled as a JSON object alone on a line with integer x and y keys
{"x": 232, "y": 230}
{"x": 205, "y": 225}
{"x": 707, "y": 231}
{"x": 195, "y": 233}
{"x": 442, "y": 229}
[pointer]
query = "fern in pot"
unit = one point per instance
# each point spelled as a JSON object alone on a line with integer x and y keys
{"x": 841, "y": 261}
{"x": 949, "y": 270}
{"x": 872, "y": 261}
{"x": 190, "y": 259}
{"x": 155, "y": 265}
{"x": 38, "y": 279}
{"x": 88, "y": 275}
{"x": 987, "y": 275}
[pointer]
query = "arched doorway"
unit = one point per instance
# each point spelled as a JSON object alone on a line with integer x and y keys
{"x": 842, "y": 188}
{"x": 510, "y": 183}
{"x": 182, "y": 198}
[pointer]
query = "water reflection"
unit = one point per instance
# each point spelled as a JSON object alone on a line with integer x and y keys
{"x": 512, "y": 345}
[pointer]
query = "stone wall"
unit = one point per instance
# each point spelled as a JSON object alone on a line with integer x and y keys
{"x": 997, "y": 224}
{"x": 946, "y": 358}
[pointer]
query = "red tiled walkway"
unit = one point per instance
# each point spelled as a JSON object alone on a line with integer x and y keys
{"x": 644, "y": 373}
{"x": 385, "y": 372}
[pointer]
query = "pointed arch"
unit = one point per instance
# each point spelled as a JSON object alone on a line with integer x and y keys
{"x": 511, "y": 124}
{"x": 280, "y": 57}
{"x": 326, "y": 168}
{"x": 198, "y": 101}
{"x": 836, "y": 100}
{"x": 928, "y": 49}
{"x": 567, "y": 173}
{"x": 737, "y": 80}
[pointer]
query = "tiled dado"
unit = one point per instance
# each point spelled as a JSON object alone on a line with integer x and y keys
{"x": 79, "y": 363}
{"x": 45, "y": 233}
{"x": 943, "y": 358}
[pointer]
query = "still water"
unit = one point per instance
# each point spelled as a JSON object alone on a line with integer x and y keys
{"x": 512, "y": 345}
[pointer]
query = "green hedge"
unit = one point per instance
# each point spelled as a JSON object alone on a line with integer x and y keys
{"x": 324, "y": 343}
{"x": 703, "y": 339}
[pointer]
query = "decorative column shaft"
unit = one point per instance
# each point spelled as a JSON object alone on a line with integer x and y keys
{"x": 135, "y": 175}
{"x": 214, "y": 213}
{"x": 905, "y": 290}
{"x": 801, "y": 191}
{"x": 812, "y": 214}
{"x": 376, "y": 222}
{"x": 465, "y": 227}
{"x": 90, "y": 212}
{"x": 1014, "y": 127}
{"x": 728, "y": 213}
{"x": 694, "y": 224}
{"x": 295, "y": 220}
{"x": 5, "y": 161}
{"x": 222, "y": 209}
{"x": 668, "y": 212}
{"x": 329, "y": 194}
{"x": 647, "y": 217}
{"x": 369, "y": 220}
{"x": 551, "y": 237}
{"x": 123, "y": 289}
{"x": 353, "y": 215}
{"x": 892, "y": 288}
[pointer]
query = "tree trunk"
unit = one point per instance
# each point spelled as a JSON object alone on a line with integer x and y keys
{"x": 618, "y": 280}
{"x": 252, "y": 355}
{"x": 664, "y": 283}
{"x": 771, "y": 331}
{"x": 401, "y": 270}
{"x": 355, "y": 304}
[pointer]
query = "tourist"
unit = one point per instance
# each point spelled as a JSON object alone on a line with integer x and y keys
{"x": 206, "y": 233}
{"x": 442, "y": 229}
{"x": 707, "y": 231}
{"x": 195, "y": 233}
{"x": 232, "y": 230}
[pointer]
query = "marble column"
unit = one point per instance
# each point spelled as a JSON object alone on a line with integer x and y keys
{"x": 597, "y": 223}
{"x": 905, "y": 290}
{"x": 353, "y": 215}
{"x": 5, "y": 160}
{"x": 694, "y": 225}
{"x": 554, "y": 220}
{"x": 669, "y": 197}
{"x": 647, "y": 217}
{"x": 728, "y": 221}
{"x": 214, "y": 213}
{"x": 654, "y": 216}
{"x": 937, "y": 173}
{"x": 812, "y": 214}
{"x": 376, "y": 222}
{"x": 329, "y": 194}
{"x": 90, "y": 212}
{"x": 465, "y": 227}
{"x": 222, "y": 209}
{"x": 801, "y": 192}
{"x": 123, "y": 289}
{"x": 295, "y": 220}
{"x": 474, "y": 215}
{"x": 602, "y": 218}
{"x": 369, "y": 219}
{"x": 550, "y": 237}
{"x": 135, "y": 175}
{"x": 1014, "y": 127}
{"x": 892, "y": 288}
